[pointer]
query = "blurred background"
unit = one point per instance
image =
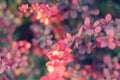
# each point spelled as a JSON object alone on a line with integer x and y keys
{"x": 26, "y": 38}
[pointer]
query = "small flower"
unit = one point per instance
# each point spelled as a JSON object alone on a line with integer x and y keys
{"x": 23, "y": 8}
{"x": 91, "y": 29}
{"x": 106, "y": 42}
{"x": 61, "y": 52}
{"x": 22, "y": 46}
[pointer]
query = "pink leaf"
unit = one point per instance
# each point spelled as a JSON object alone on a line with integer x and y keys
{"x": 68, "y": 36}
{"x": 73, "y": 14}
{"x": 74, "y": 1}
{"x": 107, "y": 59}
{"x": 97, "y": 29}
{"x": 108, "y": 17}
{"x": 45, "y": 78}
{"x": 104, "y": 44}
{"x": 100, "y": 39}
{"x": 96, "y": 23}
{"x": 111, "y": 45}
{"x": 80, "y": 30}
{"x": 76, "y": 44}
{"x": 1, "y": 71}
{"x": 110, "y": 32}
{"x": 8, "y": 68}
{"x": 118, "y": 43}
{"x": 102, "y": 21}
{"x": 87, "y": 21}
{"x": 8, "y": 55}
{"x": 66, "y": 15}
{"x": 90, "y": 32}
{"x": 110, "y": 39}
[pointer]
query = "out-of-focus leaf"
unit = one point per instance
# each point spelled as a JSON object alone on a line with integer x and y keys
{"x": 3, "y": 44}
{"x": 117, "y": 50}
